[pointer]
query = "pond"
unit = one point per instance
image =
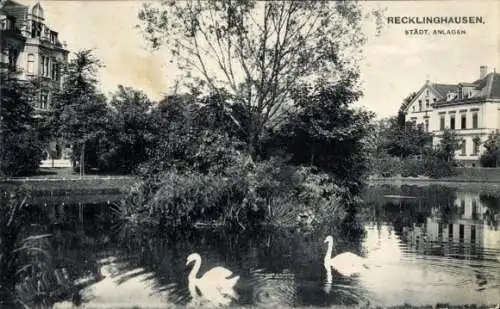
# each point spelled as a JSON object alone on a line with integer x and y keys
{"x": 423, "y": 246}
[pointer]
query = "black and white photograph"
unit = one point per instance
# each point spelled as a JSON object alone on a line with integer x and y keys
{"x": 249, "y": 154}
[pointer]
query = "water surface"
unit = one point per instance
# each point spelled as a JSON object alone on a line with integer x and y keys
{"x": 442, "y": 246}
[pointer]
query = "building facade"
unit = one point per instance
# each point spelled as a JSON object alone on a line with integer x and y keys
{"x": 471, "y": 109}
{"x": 32, "y": 51}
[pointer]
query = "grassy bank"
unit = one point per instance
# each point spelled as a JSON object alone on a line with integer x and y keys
{"x": 63, "y": 179}
{"x": 462, "y": 174}
{"x": 313, "y": 307}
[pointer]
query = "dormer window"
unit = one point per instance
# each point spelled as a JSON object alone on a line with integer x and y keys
{"x": 53, "y": 37}
{"x": 36, "y": 29}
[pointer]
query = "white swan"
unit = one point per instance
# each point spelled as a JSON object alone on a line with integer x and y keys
{"x": 347, "y": 263}
{"x": 214, "y": 286}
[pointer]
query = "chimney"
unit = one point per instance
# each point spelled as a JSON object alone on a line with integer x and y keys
{"x": 483, "y": 70}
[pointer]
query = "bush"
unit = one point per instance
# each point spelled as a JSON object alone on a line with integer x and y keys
{"x": 436, "y": 168}
{"x": 385, "y": 166}
{"x": 412, "y": 167}
{"x": 488, "y": 159}
{"x": 243, "y": 195}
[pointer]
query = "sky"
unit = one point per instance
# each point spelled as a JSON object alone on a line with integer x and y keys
{"x": 393, "y": 65}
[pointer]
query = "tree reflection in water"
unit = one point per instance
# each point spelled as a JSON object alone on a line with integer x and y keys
{"x": 277, "y": 267}
{"x": 35, "y": 269}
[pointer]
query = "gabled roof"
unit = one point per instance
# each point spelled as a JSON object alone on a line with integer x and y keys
{"x": 440, "y": 90}
{"x": 443, "y": 89}
{"x": 488, "y": 88}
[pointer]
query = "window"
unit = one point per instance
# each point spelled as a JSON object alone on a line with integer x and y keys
{"x": 476, "y": 142}
{"x": 450, "y": 230}
{"x": 463, "y": 148}
{"x": 413, "y": 108}
{"x": 47, "y": 66}
{"x": 53, "y": 37}
{"x": 44, "y": 102}
{"x": 472, "y": 233}
{"x": 36, "y": 29}
{"x": 474, "y": 121}
{"x": 31, "y": 63}
{"x": 54, "y": 70}
{"x": 10, "y": 23}
{"x": 42, "y": 65}
{"x": 441, "y": 123}
{"x": 427, "y": 104}
{"x": 426, "y": 125}
{"x": 461, "y": 232}
{"x": 12, "y": 58}
{"x": 419, "y": 105}
{"x": 452, "y": 122}
{"x": 474, "y": 210}
{"x": 463, "y": 121}
{"x": 434, "y": 100}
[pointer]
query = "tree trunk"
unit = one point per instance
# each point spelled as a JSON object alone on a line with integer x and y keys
{"x": 82, "y": 158}
{"x": 312, "y": 153}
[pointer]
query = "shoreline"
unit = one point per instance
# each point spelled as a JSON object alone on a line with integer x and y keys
{"x": 454, "y": 180}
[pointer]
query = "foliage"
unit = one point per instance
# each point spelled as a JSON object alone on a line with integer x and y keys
{"x": 261, "y": 50}
{"x": 448, "y": 144}
{"x": 190, "y": 134}
{"x": 242, "y": 195}
{"x": 79, "y": 113}
{"x": 21, "y": 148}
{"x": 385, "y": 165}
{"x": 325, "y": 132}
{"x": 403, "y": 139}
{"x": 130, "y": 130}
{"x": 412, "y": 167}
{"x": 491, "y": 155}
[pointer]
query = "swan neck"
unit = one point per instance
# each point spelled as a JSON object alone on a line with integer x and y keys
{"x": 328, "y": 256}
{"x": 195, "y": 269}
{"x": 192, "y": 277}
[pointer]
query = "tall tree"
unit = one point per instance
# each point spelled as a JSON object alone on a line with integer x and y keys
{"x": 448, "y": 144}
{"x": 257, "y": 51}
{"x": 79, "y": 112}
{"x": 21, "y": 150}
{"x": 326, "y": 132}
{"x": 131, "y": 129}
{"x": 491, "y": 155}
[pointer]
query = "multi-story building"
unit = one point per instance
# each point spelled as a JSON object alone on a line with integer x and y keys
{"x": 31, "y": 50}
{"x": 471, "y": 109}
